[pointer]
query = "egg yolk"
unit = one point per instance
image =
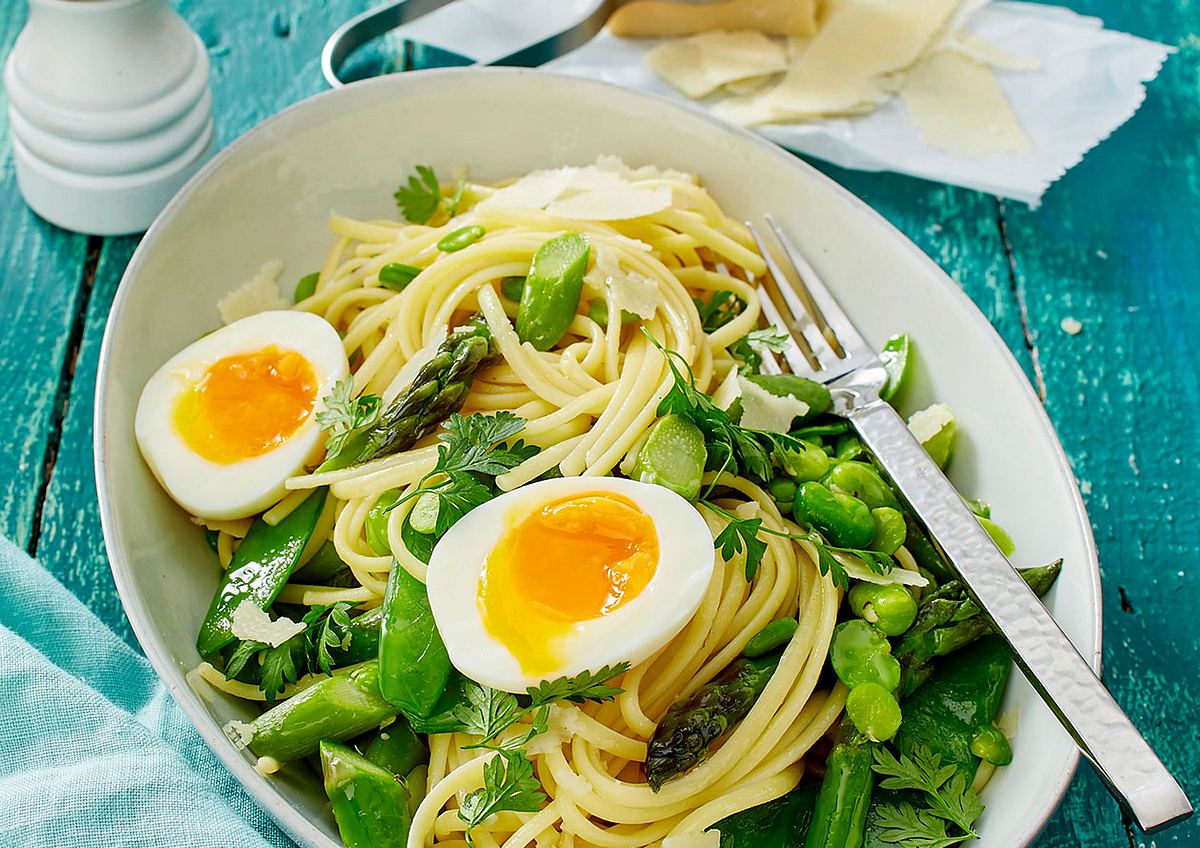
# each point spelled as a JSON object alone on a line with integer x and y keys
{"x": 246, "y": 405}
{"x": 572, "y": 560}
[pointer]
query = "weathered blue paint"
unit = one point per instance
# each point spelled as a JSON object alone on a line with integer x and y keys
{"x": 1114, "y": 247}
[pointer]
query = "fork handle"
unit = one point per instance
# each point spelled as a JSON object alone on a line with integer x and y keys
{"x": 1124, "y": 760}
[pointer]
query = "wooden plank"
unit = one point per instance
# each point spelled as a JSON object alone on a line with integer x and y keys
{"x": 40, "y": 269}
{"x": 1115, "y": 248}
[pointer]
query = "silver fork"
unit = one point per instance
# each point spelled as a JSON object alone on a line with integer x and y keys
{"x": 830, "y": 350}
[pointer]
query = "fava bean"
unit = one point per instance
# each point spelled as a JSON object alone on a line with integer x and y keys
{"x": 874, "y": 711}
{"x": 598, "y": 312}
{"x": 891, "y": 608}
{"x": 1003, "y": 541}
{"x": 778, "y": 632}
{"x": 803, "y": 464}
{"x": 849, "y": 447}
{"x": 890, "y": 530}
{"x": 396, "y": 275}
{"x": 862, "y": 481}
{"x": 460, "y": 238}
{"x": 783, "y": 491}
{"x": 861, "y": 654}
{"x": 513, "y": 288}
{"x": 843, "y": 519}
{"x": 991, "y": 746}
{"x": 552, "y": 289}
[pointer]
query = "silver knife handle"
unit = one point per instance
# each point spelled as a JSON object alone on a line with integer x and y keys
{"x": 1061, "y": 676}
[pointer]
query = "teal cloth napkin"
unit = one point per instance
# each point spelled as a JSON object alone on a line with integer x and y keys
{"x": 93, "y": 751}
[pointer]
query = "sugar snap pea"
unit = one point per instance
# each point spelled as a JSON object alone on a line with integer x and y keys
{"x": 552, "y": 289}
{"x": 413, "y": 663}
{"x": 370, "y": 807}
{"x": 375, "y": 527}
{"x": 1003, "y": 541}
{"x": 809, "y": 391}
{"x": 513, "y": 288}
{"x": 843, "y": 519}
{"x": 840, "y": 814}
{"x": 775, "y": 824}
{"x": 397, "y": 748}
{"x": 598, "y": 312}
{"x": 896, "y": 357}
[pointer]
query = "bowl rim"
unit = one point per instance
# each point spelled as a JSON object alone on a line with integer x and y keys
{"x": 258, "y": 786}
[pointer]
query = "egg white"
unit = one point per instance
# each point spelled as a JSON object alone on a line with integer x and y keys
{"x": 632, "y": 632}
{"x": 239, "y": 489}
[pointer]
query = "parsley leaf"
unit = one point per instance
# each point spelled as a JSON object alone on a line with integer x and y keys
{"x": 344, "y": 415}
{"x": 487, "y": 712}
{"x": 474, "y": 443}
{"x": 739, "y": 534}
{"x": 419, "y": 200}
{"x": 328, "y": 627}
{"x": 308, "y": 652}
{"x": 584, "y": 686}
{"x": 748, "y": 350}
{"x": 456, "y": 198}
{"x": 278, "y": 669}
{"x": 241, "y": 655}
{"x": 946, "y": 791}
{"x": 508, "y": 785}
{"x": 719, "y": 310}
{"x": 904, "y": 824}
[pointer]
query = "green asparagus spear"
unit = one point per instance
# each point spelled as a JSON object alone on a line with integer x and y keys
{"x": 840, "y": 814}
{"x": 370, "y": 806}
{"x": 339, "y": 707}
{"x": 439, "y": 389}
{"x": 692, "y": 724}
{"x": 948, "y": 620}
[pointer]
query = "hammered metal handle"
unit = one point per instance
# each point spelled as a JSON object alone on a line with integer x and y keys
{"x": 1132, "y": 771}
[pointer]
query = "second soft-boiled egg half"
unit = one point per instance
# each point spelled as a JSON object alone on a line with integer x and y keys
{"x": 230, "y": 417}
{"x": 567, "y": 575}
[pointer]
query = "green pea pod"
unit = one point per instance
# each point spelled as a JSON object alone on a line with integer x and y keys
{"x": 840, "y": 815}
{"x": 323, "y": 566}
{"x": 396, "y": 275}
{"x": 552, "y": 290}
{"x": 673, "y": 456}
{"x": 339, "y": 707}
{"x": 863, "y": 482}
{"x": 370, "y": 806}
{"x": 416, "y": 784}
{"x": 397, "y": 748}
{"x": 259, "y": 569}
{"x": 774, "y": 635}
{"x": 789, "y": 385}
{"x": 461, "y": 238}
{"x": 861, "y": 654}
{"x": 895, "y": 355}
{"x": 844, "y": 519}
{"x": 375, "y": 527}
{"x": 413, "y": 663}
{"x": 775, "y": 824}
{"x": 306, "y": 286}
{"x": 443, "y": 717}
{"x": 848, "y": 446}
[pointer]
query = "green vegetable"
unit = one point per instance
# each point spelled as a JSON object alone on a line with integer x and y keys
{"x": 598, "y": 312}
{"x": 718, "y": 310}
{"x": 891, "y": 608}
{"x": 861, "y": 654}
{"x": 375, "y": 527}
{"x": 438, "y": 390}
{"x": 991, "y": 745}
{"x": 682, "y": 738}
{"x": 443, "y": 718}
{"x": 673, "y": 456}
{"x": 306, "y": 286}
{"x": 424, "y": 515}
{"x": 396, "y": 275}
{"x": 413, "y": 663}
{"x": 339, "y": 707}
{"x": 783, "y": 491}
{"x": 342, "y": 418}
{"x": 1003, "y": 541}
{"x": 370, "y": 807}
{"x": 980, "y": 508}
{"x": 416, "y": 784}
{"x": 325, "y": 565}
{"x": 804, "y": 462}
{"x": 513, "y": 288}
{"x": 934, "y": 427}
{"x": 259, "y": 569}
{"x": 397, "y": 749}
{"x": 874, "y": 711}
{"x": 750, "y": 348}
{"x": 508, "y": 784}
{"x": 420, "y": 199}
{"x": 863, "y": 482}
{"x": 945, "y": 796}
{"x": 896, "y": 362}
{"x": 774, "y": 635}
{"x": 361, "y": 642}
{"x": 776, "y": 824}
{"x": 211, "y": 536}
{"x": 461, "y": 238}
{"x": 890, "y": 530}
{"x": 843, "y": 519}
{"x": 845, "y": 795}
{"x": 849, "y": 447}
{"x": 948, "y": 619}
{"x": 552, "y": 290}
{"x": 789, "y": 385}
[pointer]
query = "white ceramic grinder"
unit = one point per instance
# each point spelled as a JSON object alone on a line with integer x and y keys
{"x": 109, "y": 110}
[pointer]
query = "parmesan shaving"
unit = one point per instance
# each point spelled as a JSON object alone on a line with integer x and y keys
{"x": 237, "y": 527}
{"x": 658, "y": 18}
{"x": 617, "y": 204}
{"x": 240, "y": 733}
{"x": 258, "y": 294}
{"x": 927, "y": 423}
{"x": 762, "y": 410}
{"x": 626, "y": 290}
{"x": 958, "y": 106}
{"x": 858, "y": 571}
{"x": 252, "y": 624}
{"x": 699, "y": 65}
{"x": 975, "y": 47}
{"x": 605, "y": 191}
{"x": 728, "y": 391}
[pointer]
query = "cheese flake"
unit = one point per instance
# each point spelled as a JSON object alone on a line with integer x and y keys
{"x": 728, "y": 391}
{"x": 258, "y": 294}
{"x": 252, "y": 624}
{"x": 626, "y": 290}
{"x": 928, "y": 422}
{"x": 613, "y": 204}
{"x": 762, "y": 410}
{"x": 699, "y": 65}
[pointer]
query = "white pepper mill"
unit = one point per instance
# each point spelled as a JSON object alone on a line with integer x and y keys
{"x": 109, "y": 111}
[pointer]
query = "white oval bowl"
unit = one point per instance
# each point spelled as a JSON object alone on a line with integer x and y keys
{"x": 267, "y": 196}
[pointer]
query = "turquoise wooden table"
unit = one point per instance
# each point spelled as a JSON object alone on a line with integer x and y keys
{"x": 1115, "y": 246}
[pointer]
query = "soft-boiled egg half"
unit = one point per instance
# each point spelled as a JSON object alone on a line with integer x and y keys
{"x": 230, "y": 417}
{"x": 567, "y": 575}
